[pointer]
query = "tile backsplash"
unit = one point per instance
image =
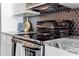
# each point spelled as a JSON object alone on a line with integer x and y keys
{"x": 59, "y": 16}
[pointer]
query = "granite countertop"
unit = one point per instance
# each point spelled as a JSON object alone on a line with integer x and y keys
{"x": 24, "y": 38}
{"x": 69, "y": 44}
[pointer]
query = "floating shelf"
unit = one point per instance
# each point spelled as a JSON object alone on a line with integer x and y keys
{"x": 27, "y": 13}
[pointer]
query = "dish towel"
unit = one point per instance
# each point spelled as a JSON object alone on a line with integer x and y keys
{"x": 20, "y": 51}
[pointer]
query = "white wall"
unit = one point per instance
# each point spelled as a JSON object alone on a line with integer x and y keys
{"x": 19, "y": 7}
{"x": 0, "y": 28}
{"x": 8, "y": 23}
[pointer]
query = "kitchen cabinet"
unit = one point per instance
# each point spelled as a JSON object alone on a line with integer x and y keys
{"x": 6, "y": 45}
{"x": 52, "y": 51}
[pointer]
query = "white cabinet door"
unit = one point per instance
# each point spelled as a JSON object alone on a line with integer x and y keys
{"x": 52, "y": 51}
{"x": 6, "y": 45}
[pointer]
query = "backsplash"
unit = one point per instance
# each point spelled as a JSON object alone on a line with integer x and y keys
{"x": 59, "y": 16}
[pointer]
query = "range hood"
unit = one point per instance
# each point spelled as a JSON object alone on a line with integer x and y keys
{"x": 27, "y": 13}
{"x": 71, "y": 5}
{"x": 50, "y": 7}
